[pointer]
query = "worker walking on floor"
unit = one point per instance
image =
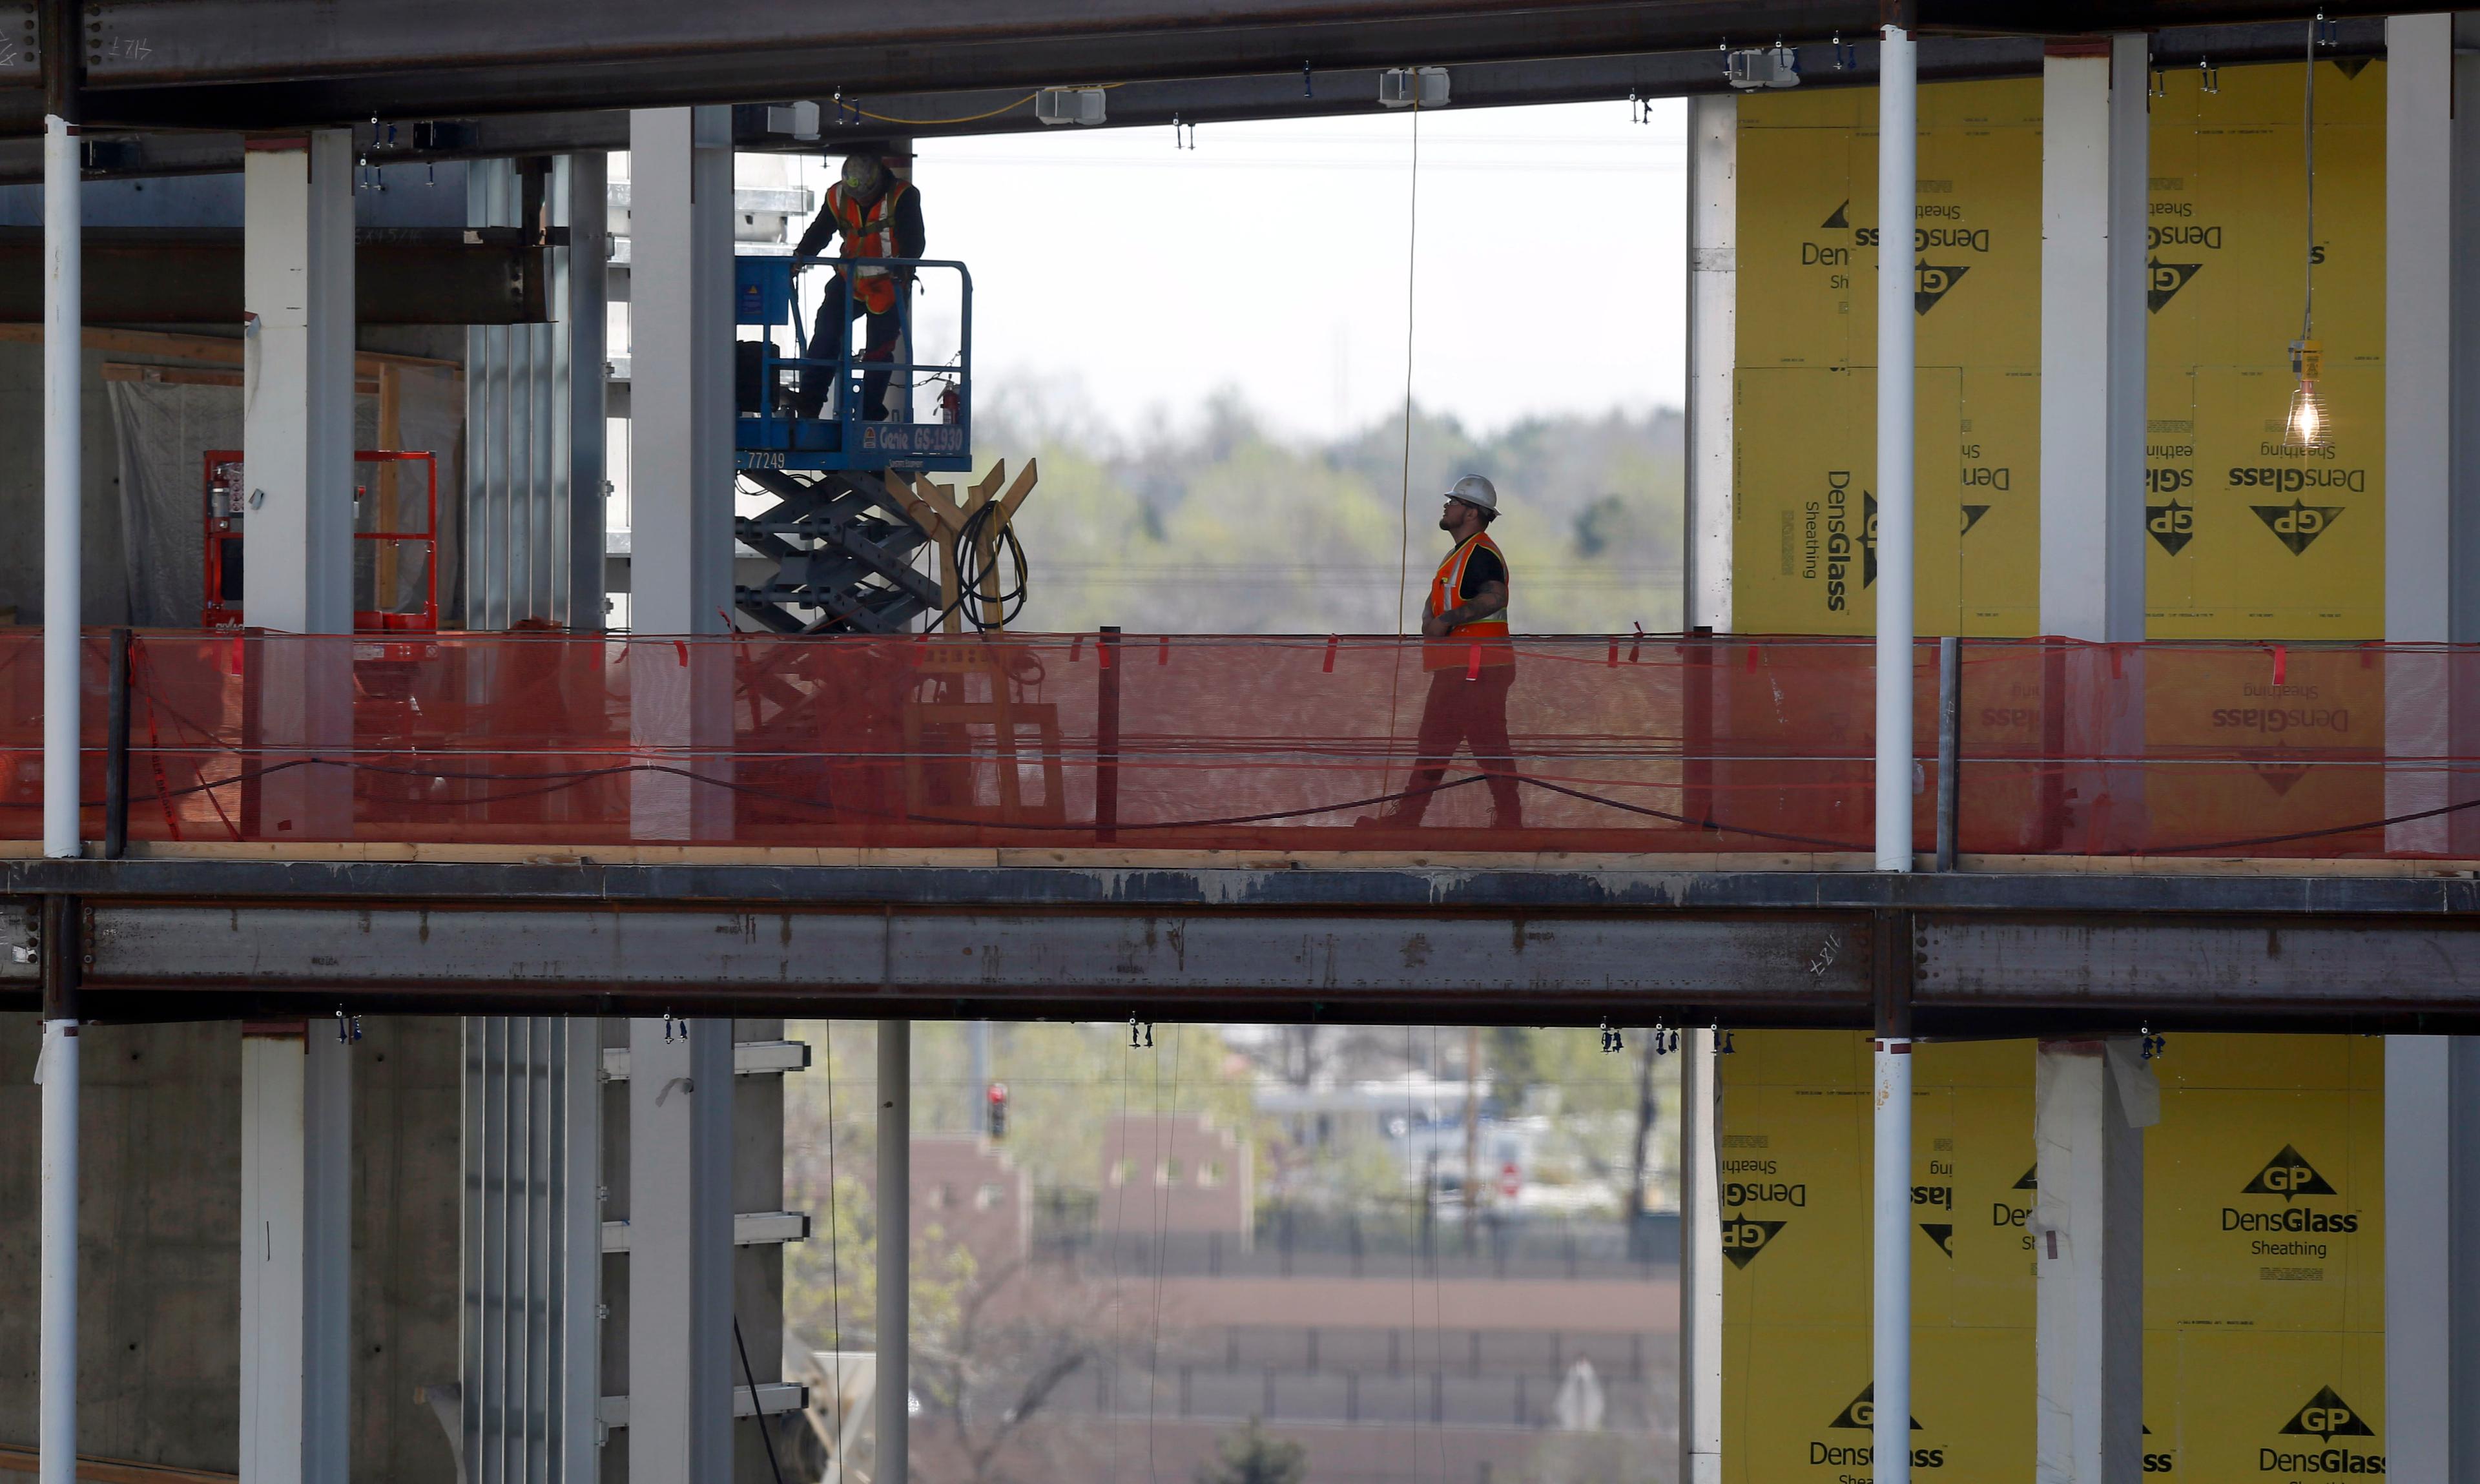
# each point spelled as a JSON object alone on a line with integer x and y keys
{"x": 878, "y": 217}
{"x": 1470, "y": 660}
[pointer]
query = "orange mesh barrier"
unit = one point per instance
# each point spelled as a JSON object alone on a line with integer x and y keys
{"x": 1635, "y": 744}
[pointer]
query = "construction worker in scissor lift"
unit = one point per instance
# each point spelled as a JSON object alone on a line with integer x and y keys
{"x": 878, "y": 215}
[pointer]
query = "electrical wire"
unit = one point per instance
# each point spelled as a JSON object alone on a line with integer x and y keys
{"x": 1411, "y": 271}
{"x": 765, "y": 1434}
{"x": 963, "y": 119}
{"x": 1403, "y": 502}
{"x": 1008, "y": 108}
{"x": 2308, "y": 131}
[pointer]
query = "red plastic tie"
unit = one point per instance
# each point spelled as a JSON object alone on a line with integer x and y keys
{"x": 1472, "y": 670}
{"x": 1103, "y": 654}
{"x": 1075, "y": 646}
{"x": 2117, "y": 663}
{"x": 1613, "y": 662}
{"x": 2280, "y": 662}
{"x": 1752, "y": 659}
{"x": 1332, "y": 641}
{"x": 683, "y": 646}
{"x": 1162, "y": 650}
{"x": 1638, "y": 647}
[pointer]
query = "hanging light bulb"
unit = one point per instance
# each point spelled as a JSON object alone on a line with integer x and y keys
{"x": 2308, "y": 429}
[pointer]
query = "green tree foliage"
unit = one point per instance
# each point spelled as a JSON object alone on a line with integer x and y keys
{"x": 1223, "y": 526}
{"x": 1252, "y": 1455}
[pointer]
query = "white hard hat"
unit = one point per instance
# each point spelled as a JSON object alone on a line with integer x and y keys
{"x": 1474, "y": 490}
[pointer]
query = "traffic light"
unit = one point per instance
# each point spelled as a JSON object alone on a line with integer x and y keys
{"x": 997, "y": 1120}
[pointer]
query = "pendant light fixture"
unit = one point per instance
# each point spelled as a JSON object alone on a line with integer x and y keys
{"x": 2309, "y": 428}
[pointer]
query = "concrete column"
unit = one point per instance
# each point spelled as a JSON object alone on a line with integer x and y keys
{"x": 2420, "y": 212}
{"x": 1712, "y": 345}
{"x": 681, "y": 1375}
{"x": 2462, "y": 190}
{"x": 295, "y": 1255}
{"x": 1700, "y": 1261}
{"x": 2092, "y": 1100}
{"x": 2094, "y": 138}
{"x": 681, "y": 465}
{"x": 297, "y": 468}
{"x": 297, "y": 374}
{"x": 2432, "y": 540}
{"x": 680, "y": 295}
{"x": 895, "y": 1250}
{"x": 2433, "y": 1258}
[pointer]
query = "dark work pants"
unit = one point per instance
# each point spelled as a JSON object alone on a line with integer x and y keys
{"x": 837, "y": 309}
{"x": 1473, "y": 713}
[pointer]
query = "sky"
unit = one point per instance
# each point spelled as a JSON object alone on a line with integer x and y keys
{"x": 1273, "y": 258}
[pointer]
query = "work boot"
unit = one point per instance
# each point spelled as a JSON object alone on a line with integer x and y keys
{"x": 1389, "y": 819}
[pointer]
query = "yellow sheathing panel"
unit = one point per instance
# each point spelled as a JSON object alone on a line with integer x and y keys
{"x": 1795, "y": 1157}
{"x": 2264, "y": 1258}
{"x": 2246, "y": 540}
{"x": 2262, "y": 1344}
{"x": 2277, "y": 545}
{"x": 1804, "y": 418}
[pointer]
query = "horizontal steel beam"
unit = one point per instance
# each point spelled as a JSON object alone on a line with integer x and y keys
{"x": 2261, "y": 966}
{"x": 1976, "y": 954}
{"x": 1291, "y": 93}
{"x": 1017, "y": 964}
{"x": 1344, "y": 885}
{"x": 146, "y": 275}
{"x": 279, "y": 63}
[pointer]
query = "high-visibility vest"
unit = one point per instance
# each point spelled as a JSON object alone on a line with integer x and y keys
{"x": 869, "y": 232}
{"x": 1485, "y": 640}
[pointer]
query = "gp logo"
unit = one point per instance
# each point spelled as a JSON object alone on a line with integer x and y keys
{"x": 2326, "y": 1417}
{"x": 1743, "y": 1239}
{"x": 2288, "y": 1174}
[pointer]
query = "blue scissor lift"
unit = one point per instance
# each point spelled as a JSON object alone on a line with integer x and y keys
{"x": 844, "y": 546}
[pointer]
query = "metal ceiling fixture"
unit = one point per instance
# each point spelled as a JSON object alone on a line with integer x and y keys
{"x": 1763, "y": 66}
{"x": 1408, "y": 86}
{"x": 1071, "y": 106}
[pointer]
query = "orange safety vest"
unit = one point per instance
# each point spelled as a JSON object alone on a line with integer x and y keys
{"x": 869, "y": 232}
{"x": 1489, "y": 636}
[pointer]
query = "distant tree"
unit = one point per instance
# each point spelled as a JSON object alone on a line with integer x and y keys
{"x": 1249, "y": 1455}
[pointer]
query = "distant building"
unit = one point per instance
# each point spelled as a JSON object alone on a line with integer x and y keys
{"x": 974, "y": 1197}
{"x": 1194, "y": 1176}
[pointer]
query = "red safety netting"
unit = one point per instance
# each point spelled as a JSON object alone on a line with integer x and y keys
{"x": 1635, "y": 744}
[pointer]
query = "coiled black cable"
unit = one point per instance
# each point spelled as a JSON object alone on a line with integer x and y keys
{"x": 971, "y": 567}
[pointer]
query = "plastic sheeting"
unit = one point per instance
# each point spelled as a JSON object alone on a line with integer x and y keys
{"x": 1631, "y": 744}
{"x": 162, "y": 432}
